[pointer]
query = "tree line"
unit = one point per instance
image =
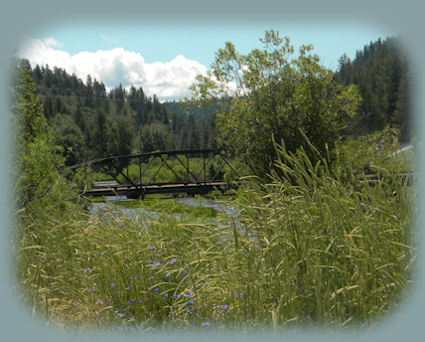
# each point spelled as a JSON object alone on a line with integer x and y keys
{"x": 274, "y": 99}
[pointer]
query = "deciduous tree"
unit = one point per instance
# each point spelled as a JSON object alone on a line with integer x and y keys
{"x": 270, "y": 95}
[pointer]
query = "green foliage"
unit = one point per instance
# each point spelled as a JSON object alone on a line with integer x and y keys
{"x": 355, "y": 158}
{"x": 273, "y": 97}
{"x": 384, "y": 78}
{"x": 69, "y": 137}
{"x": 119, "y": 137}
{"x": 154, "y": 137}
{"x": 37, "y": 161}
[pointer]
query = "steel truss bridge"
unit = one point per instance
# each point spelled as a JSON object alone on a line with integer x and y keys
{"x": 136, "y": 175}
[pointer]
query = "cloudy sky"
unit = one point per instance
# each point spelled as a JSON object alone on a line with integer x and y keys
{"x": 164, "y": 60}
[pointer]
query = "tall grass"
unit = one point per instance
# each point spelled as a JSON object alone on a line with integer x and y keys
{"x": 307, "y": 249}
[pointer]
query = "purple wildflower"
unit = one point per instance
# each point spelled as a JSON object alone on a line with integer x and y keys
{"x": 165, "y": 295}
{"x": 224, "y": 307}
{"x": 176, "y": 295}
{"x": 102, "y": 318}
{"x": 99, "y": 253}
{"x": 99, "y": 302}
{"x": 205, "y": 324}
{"x": 133, "y": 278}
{"x": 168, "y": 275}
{"x": 113, "y": 284}
{"x": 150, "y": 278}
{"x": 152, "y": 247}
{"x": 128, "y": 288}
{"x": 149, "y": 261}
{"x": 187, "y": 294}
{"x": 87, "y": 269}
{"x": 139, "y": 301}
{"x": 173, "y": 261}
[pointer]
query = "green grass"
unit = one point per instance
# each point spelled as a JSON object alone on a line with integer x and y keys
{"x": 310, "y": 249}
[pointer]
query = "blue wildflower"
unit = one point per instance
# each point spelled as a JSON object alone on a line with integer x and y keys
{"x": 173, "y": 261}
{"x": 139, "y": 301}
{"x": 205, "y": 324}
{"x": 133, "y": 278}
{"x": 224, "y": 307}
{"x": 102, "y": 318}
{"x": 176, "y": 295}
{"x": 168, "y": 275}
{"x": 190, "y": 310}
{"x": 165, "y": 295}
{"x": 113, "y": 284}
{"x": 99, "y": 253}
{"x": 157, "y": 255}
{"x": 128, "y": 288}
{"x": 187, "y": 294}
{"x": 149, "y": 261}
{"x": 152, "y": 247}
{"x": 128, "y": 302}
{"x": 99, "y": 302}
{"x": 150, "y": 278}
{"x": 190, "y": 302}
{"x": 156, "y": 264}
{"x": 109, "y": 300}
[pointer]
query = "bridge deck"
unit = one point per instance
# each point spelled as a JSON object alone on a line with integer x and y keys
{"x": 158, "y": 188}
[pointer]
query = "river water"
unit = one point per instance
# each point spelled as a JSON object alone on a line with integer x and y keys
{"x": 137, "y": 213}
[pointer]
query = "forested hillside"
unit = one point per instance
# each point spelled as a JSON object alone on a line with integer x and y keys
{"x": 381, "y": 72}
{"x": 90, "y": 122}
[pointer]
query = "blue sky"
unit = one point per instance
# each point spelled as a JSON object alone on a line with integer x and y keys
{"x": 148, "y": 51}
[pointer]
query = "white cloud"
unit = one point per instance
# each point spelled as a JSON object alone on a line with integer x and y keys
{"x": 166, "y": 80}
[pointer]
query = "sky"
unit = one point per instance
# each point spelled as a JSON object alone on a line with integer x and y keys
{"x": 164, "y": 60}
